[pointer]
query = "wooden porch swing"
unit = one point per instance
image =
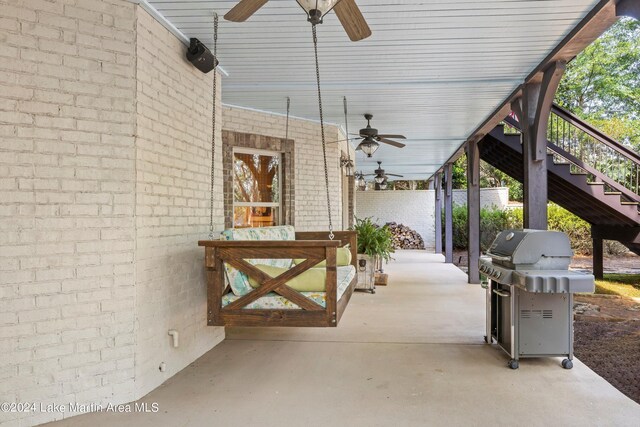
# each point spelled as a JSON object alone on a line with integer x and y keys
{"x": 249, "y": 306}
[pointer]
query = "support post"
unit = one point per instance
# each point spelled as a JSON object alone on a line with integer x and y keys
{"x": 473, "y": 210}
{"x": 438, "y": 211}
{"x": 598, "y": 258}
{"x": 448, "y": 217}
{"x": 536, "y": 102}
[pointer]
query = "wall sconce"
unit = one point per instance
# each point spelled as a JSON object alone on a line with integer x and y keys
{"x": 347, "y": 164}
{"x": 360, "y": 182}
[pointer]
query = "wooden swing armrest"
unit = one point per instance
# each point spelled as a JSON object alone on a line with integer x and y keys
{"x": 269, "y": 243}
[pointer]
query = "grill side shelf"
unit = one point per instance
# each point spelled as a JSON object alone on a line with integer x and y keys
{"x": 553, "y": 281}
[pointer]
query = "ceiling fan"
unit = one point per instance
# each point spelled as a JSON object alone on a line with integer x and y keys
{"x": 346, "y": 10}
{"x": 380, "y": 177}
{"x": 371, "y": 137}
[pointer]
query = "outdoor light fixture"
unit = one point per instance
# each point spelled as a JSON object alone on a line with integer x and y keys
{"x": 368, "y": 146}
{"x": 379, "y": 179}
{"x": 316, "y": 9}
{"x": 360, "y": 182}
{"x": 200, "y": 56}
{"x": 348, "y": 166}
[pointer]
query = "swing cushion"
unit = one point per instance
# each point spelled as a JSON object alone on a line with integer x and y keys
{"x": 273, "y": 301}
{"x": 343, "y": 257}
{"x": 312, "y": 280}
{"x": 238, "y": 281}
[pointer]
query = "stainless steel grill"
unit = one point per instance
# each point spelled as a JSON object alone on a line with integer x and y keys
{"x": 530, "y": 294}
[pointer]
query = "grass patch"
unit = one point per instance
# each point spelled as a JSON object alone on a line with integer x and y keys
{"x": 627, "y": 285}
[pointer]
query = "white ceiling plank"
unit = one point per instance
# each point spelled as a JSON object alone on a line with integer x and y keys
{"x": 432, "y": 70}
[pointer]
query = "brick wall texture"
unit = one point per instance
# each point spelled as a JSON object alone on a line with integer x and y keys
{"x": 104, "y": 191}
{"x": 413, "y": 208}
{"x": 173, "y": 160}
{"x": 310, "y": 198}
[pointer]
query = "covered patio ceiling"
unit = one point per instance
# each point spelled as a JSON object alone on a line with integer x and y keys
{"x": 432, "y": 70}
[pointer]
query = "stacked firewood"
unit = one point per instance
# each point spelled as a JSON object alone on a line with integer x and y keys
{"x": 405, "y": 237}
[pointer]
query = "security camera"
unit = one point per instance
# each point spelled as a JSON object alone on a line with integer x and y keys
{"x": 200, "y": 56}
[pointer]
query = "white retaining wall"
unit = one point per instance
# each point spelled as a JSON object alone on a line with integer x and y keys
{"x": 497, "y": 197}
{"x": 416, "y": 208}
{"x": 413, "y": 208}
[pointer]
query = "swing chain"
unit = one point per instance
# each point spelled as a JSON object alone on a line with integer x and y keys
{"x": 213, "y": 120}
{"x": 324, "y": 146}
{"x": 346, "y": 129}
{"x": 286, "y": 128}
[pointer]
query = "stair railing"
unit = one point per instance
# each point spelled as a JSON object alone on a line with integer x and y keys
{"x": 596, "y": 149}
{"x": 592, "y": 152}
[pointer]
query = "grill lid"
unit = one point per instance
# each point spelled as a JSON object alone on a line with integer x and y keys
{"x": 529, "y": 247}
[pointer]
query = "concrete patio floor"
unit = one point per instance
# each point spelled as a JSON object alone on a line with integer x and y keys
{"x": 412, "y": 354}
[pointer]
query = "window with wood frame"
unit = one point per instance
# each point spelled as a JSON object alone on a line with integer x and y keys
{"x": 256, "y": 188}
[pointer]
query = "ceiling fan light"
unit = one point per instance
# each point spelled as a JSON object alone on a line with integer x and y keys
{"x": 316, "y": 9}
{"x": 383, "y": 185}
{"x": 368, "y": 147}
{"x": 379, "y": 179}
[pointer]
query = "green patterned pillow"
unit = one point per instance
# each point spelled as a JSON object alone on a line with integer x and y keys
{"x": 343, "y": 257}
{"x": 239, "y": 281}
{"x": 312, "y": 280}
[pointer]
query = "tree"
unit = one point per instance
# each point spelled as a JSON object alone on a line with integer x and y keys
{"x": 602, "y": 84}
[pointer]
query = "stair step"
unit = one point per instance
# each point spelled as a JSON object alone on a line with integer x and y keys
{"x": 579, "y": 173}
{"x": 613, "y": 193}
{"x": 630, "y": 203}
{"x": 595, "y": 183}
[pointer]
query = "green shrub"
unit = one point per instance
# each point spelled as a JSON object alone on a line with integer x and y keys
{"x": 492, "y": 221}
{"x": 578, "y": 230}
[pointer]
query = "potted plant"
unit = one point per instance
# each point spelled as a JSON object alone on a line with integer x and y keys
{"x": 374, "y": 246}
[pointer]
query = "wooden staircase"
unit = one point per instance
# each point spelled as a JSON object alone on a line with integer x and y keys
{"x": 595, "y": 192}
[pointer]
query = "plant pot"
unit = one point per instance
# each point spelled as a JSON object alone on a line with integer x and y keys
{"x": 366, "y": 268}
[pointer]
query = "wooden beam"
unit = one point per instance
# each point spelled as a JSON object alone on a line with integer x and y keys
{"x": 552, "y": 76}
{"x": 590, "y": 28}
{"x": 535, "y": 172}
{"x": 516, "y": 107}
{"x": 448, "y": 217}
{"x": 596, "y": 22}
{"x": 628, "y": 8}
{"x": 612, "y": 232}
{"x": 473, "y": 212}
{"x": 438, "y": 211}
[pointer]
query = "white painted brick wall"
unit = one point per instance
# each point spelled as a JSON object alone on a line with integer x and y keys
{"x": 489, "y": 197}
{"x": 104, "y": 192}
{"x": 67, "y": 97}
{"x": 413, "y": 208}
{"x": 310, "y": 196}
{"x": 173, "y": 152}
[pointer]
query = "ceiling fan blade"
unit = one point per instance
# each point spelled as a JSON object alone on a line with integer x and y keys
{"x": 352, "y": 20}
{"x": 393, "y": 174}
{"x": 390, "y": 142}
{"x": 243, "y": 10}
{"x": 392, "y": 136}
